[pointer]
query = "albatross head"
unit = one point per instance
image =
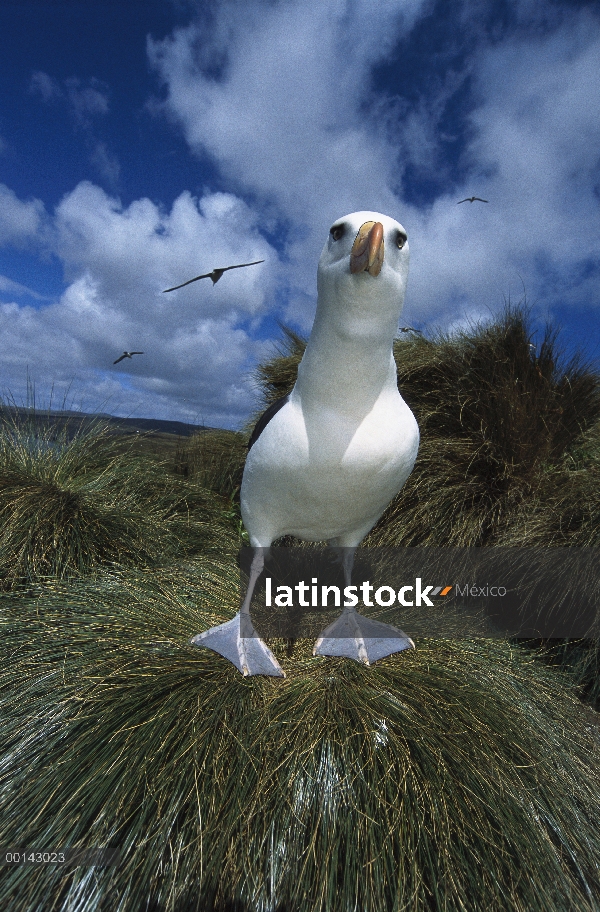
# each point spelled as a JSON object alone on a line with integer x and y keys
{"x": 364, "y": 264}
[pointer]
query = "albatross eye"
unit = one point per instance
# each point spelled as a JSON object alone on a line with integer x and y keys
{"x": 400, "y": 240}
{"x": 337, "y": 232}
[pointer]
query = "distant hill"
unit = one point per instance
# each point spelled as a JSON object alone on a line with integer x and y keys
{"x": 76, "y": 420}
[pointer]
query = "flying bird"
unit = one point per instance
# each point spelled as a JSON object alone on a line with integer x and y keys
{"x": 472, "y": 199}
{"x": 215, "y": 275}
{"x": 325, "y": 461}
{"x": 127, "y": 355}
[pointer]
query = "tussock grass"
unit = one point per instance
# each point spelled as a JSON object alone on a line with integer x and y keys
{"x": 70, "y": 502}
{"x": 580, "y": 660}
{"x": 214, "y": 459}
{"x": 460, "y": 776}
{"x": 564, "y": 507}
{"x": 497, "y": 420}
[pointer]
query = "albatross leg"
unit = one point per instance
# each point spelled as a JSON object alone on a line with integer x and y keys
{"x": 359, "y": 637}
{"x": 237, "y": 640}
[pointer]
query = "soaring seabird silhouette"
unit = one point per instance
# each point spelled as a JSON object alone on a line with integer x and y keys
{"x": 472, "y": 199}
{"x": 325, "y": 461}
{"x": 127, "y": 355}
{"x": 215, "y": 275}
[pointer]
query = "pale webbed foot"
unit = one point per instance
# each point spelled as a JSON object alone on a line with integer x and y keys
{"x": 248, "y": 653}
{"x": 361, "y": 638}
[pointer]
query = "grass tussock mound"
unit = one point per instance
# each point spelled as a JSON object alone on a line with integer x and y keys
{"x": 498, "y": 421}
{"x": 70, "y": 503}
{"x": 214, "y": 459}
{"x": 564, "y": 507}
{"x": 457, "y": 777}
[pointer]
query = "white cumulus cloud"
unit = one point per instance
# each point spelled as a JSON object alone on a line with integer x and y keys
{"x": 20, "y": 221}
{"x": 198, "y": 352}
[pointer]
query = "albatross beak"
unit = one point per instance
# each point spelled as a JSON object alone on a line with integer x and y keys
{"x": 368, "y": 249}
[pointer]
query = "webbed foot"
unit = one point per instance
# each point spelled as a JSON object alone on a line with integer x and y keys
{"x": 248, "y": 653}
{"x": 361, "y": 638}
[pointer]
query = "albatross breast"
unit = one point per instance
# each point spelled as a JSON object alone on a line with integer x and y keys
{"x": 329, "y": 475}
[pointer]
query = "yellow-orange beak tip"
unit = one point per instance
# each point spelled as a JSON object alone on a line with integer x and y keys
{"x": 368, "y": 249}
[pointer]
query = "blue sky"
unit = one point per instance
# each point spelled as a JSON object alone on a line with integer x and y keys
{"x": 145, "y": 142}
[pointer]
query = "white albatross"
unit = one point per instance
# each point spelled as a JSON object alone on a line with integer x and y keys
{"x": 325, "y": 462}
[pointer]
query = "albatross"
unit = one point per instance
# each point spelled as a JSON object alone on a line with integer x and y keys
{"x": 127, "y": 355}
{"x": 325, "y": 461}
{"x": 472, "y": 199}
{"x": 215, "y": 275}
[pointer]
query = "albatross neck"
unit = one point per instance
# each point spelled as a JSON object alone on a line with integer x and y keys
{"x": 346, "y": 366}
